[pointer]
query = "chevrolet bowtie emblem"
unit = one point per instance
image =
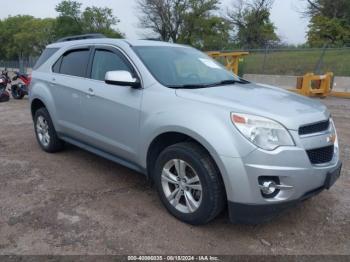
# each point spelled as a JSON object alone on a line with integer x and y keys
{"x": 331, "y": 138}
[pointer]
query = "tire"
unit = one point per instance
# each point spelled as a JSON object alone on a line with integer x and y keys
{"x": 52, "y": 143}
{"x": 17, "y": 92}
{"x": 206, "y": 203}
{"x": 4, "y": 96}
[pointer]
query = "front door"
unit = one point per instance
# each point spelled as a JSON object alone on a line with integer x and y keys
{"x": 111, "y": 113}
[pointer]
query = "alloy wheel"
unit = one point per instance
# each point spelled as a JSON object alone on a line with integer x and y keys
{"x": 42, "y": 129}
{"x": 181, "y": 186}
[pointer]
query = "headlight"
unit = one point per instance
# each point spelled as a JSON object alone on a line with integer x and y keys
{"x": 262, "y": 132}
{"x": 336, "y": 143}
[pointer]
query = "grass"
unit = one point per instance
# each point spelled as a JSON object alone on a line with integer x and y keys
{"x": 297, "y": 62}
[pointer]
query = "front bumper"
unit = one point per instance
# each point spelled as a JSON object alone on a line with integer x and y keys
{"x": 256, "y": 214}
{"x": 293, "y": 168}
{"x": 290, "y": 164}
{"x": 260, "y": 213}
{"x": 298, "y": 175}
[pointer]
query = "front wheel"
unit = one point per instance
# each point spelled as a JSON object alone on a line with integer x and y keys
{"x": 189, "y": 183}
{"x": 17, "y": 92}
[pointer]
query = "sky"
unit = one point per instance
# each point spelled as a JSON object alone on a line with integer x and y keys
{"x": 291, "y": 27}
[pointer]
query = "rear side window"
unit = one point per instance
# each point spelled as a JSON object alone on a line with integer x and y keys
{"x": 75, "y": 62}
{"x": 48, "y": 52}
{"x": 105, "y": 61}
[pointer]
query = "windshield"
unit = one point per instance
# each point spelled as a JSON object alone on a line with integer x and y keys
{"x": 183, "y": 67}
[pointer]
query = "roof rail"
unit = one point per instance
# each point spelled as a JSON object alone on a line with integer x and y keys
{"x": 80, "y": 37}
{"x": 153, "y": 39}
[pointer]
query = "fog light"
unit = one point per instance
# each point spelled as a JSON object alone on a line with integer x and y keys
{"x": 271, "y": 186}
{"x": 268, "y": 187}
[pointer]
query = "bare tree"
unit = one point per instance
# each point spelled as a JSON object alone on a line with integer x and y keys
{"x": 163, "y": 17}
{"x": 235, "y": 14}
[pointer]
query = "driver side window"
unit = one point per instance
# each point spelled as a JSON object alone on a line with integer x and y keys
{"x": 104, "y": 61}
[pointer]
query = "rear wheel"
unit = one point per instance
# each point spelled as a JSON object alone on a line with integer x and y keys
{"x": 16, "y": 92}
{"x": 189, "y": 183}
{"x": 4, "y": 96}
{"x": 45, "y": 132}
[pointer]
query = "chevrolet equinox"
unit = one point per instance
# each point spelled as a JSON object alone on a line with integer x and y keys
{"x": 205, "y": 137}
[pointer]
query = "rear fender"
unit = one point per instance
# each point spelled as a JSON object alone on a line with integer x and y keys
{"x": 40, "y": 91}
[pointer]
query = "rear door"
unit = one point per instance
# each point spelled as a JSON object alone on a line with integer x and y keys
{"x": 68, "y": 84}
{"x": 111, "y": 112}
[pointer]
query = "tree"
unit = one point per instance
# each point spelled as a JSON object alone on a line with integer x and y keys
{"x": 163, "y": 17}
{"x": 330, "y": 22}
{"x": 339, "y": 9}
{"x": 2, "y": 40}
{"x": 24, "y": 36}
{"x": 198, "y": 12}
{"x": 100, "y": 20}
{"x": 331, "y": 32}
{"x": 202, "y": 28}
{"x": 251, "y": 23}
{"x": 33, "y": 36}
{"x": 68, "y": 22}
{"x": 72, "y": 21}
{"x": 191, "y": 22}
{"x": 212, "y": 33}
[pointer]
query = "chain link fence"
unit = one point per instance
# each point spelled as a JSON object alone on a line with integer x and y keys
{"x": 296, "y": 62}
{"x": 21, "y": 65}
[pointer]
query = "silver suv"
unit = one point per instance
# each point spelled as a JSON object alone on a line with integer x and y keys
{"x": 206, "y": 138}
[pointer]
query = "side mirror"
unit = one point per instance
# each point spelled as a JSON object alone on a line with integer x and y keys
{"x": 121, "y": 78}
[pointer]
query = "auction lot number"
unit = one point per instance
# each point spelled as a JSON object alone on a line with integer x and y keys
{"x": 172, "y": 258}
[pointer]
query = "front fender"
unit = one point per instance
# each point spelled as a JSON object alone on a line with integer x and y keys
{"x": 217, "y": 136}
{"x": 211, "y": 127}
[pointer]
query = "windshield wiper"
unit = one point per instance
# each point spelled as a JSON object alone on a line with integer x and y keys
{"x": 230, "y": 82}
{"x": 189, "y": 86}
{"x": 221, "y": 83}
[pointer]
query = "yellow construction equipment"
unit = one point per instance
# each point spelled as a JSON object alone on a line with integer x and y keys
{"x": 318, "y": 85}
{"x": 231, "y": 59}
{"x": 315, "y": 85}
{"x": 307, "y": 85}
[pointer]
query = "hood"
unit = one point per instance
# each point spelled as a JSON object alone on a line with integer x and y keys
{"x": 289, "y": 109}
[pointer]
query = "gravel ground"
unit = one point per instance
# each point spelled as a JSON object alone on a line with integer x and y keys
{"x": 74, "y": 202}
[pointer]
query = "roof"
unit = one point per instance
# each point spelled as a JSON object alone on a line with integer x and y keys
{"x": 112, "y": 41}
{"x": 80, "y": 37}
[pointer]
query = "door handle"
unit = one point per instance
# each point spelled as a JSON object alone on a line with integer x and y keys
{"x": 91, "y": 92}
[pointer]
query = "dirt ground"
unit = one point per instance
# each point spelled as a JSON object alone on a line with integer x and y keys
{"x": 75, "y": 202}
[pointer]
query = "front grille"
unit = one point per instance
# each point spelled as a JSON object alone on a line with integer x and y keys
{"x": 321, "y": 155}
{"x": 314, "y": 128}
